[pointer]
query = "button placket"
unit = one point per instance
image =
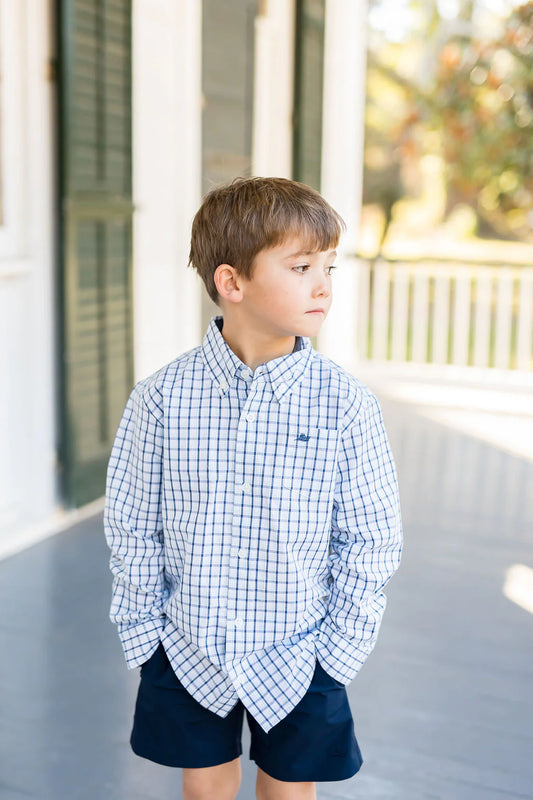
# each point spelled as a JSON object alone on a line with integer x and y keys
{"x": 235, "y": 632}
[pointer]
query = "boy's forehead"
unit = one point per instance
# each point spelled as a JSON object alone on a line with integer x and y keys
{"x": 299, "y": 253}
{"x": 296, "y": 246}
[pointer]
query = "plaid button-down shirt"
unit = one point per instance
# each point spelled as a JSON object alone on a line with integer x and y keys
{"x": 253, "y": 521}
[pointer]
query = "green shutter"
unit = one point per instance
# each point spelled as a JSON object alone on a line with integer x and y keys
{"x": 96, "y": 236}
{"x": 309, "y": 82}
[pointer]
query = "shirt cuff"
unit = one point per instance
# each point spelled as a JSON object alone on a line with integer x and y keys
{"x": 141, "y": 640}
{"x": 340, "y": 657}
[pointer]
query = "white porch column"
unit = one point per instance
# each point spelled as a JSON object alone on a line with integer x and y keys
{"x": 342, "y": 161}
{"x": 166, "y": 177}
{"x": 273, "y": 89}
{"x": 27, "y": 251}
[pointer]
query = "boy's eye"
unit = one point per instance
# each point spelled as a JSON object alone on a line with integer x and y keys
{"x": 301, "y": 268}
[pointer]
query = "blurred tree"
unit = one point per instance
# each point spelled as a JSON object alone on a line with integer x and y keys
{"x": 472, "y": 103}
{"x": 382, "y": 180}
{"x": 482, "y": 104}
{"x": 399, "y": 33}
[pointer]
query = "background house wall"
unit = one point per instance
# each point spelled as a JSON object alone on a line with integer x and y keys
{"x": 213, "y": 96}
{"x": 28, "y": 374}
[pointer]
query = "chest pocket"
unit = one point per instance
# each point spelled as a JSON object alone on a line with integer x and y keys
{"x": 308, "y": 464}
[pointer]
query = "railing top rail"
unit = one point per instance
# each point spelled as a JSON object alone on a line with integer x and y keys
{"x": 456, "y": 262}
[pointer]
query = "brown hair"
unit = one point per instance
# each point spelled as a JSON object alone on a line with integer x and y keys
{"x": 238, "y": 220}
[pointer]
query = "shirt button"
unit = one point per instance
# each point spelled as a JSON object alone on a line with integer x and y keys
{"x": 245, "y": 487}
{"x": 222, "y": 386}
{"x": 242, "y": 553}
{"x": 250, "y": 417}
{"x": 239, "y": 623}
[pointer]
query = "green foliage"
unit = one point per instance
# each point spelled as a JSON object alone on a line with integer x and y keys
{"x": 469, "y": 100}
{"x": 482, "y": 105}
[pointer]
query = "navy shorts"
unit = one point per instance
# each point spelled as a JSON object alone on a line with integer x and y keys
{"x": 315, "y": 742}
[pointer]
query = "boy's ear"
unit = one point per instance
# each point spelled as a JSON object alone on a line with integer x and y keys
{"x": 228, "y": 283}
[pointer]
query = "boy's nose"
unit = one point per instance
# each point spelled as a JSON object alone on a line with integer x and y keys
{"x": 321, "y": 288}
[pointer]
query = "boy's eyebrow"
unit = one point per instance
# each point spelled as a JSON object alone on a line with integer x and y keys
{"x": 308, "y": 253}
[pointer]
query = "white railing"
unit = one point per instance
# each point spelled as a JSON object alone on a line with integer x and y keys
{"x": 437, "y": 312}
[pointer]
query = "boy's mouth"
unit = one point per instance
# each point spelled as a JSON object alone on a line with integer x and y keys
{"x": 316, "y": 311}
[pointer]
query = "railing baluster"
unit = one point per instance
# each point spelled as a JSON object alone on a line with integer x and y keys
{"x": 380, "y": 311}
{"x": 441, "y": 318}
{"x": 461, "y": 317}
{"x": 524, "y": 335}
{"x": 504, "y": 311}
{"x": 419, "y": 317}
{"x": 400, "y": 299}
{"x": 482, "y": 318}
{"x": 362, "y": 306}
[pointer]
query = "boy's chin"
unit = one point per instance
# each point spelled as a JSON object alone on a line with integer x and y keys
{"x": 312, "y": 326}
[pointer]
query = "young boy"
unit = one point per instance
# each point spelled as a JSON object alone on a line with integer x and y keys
{"x": 252, "y": 513}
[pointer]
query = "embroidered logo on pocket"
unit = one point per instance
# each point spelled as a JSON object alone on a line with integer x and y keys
{"x": 303, "y": 437}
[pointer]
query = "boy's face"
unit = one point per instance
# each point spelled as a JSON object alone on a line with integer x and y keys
{"x": 289, "y": 293}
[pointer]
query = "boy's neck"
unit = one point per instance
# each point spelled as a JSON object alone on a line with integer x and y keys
{"x": 254, "y": 348}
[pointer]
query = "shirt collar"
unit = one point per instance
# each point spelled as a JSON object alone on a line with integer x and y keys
{"x": 225, "y": 367}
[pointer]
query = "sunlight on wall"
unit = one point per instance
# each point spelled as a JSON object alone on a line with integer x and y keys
{"x": 518, "y": 586}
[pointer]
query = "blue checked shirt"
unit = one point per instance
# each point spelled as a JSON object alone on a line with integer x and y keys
{"x": 253, "y": 521}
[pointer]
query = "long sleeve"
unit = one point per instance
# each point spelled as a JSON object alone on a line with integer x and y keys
{"x": 134, "y": 529}
{"x": 366, "y": 543}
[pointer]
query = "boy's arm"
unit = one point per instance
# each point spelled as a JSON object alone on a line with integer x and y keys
{"x": 366, "y": 543}
{"x": 134, "y": 529}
